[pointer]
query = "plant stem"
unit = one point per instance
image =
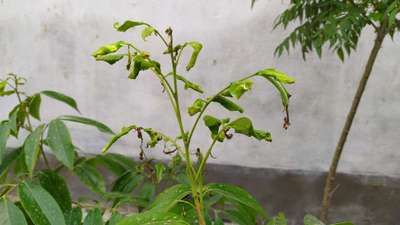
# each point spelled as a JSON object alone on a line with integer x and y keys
{"x": 330, "y": 179}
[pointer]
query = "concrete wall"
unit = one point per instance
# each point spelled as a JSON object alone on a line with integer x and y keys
{"x": 50, "y": 43}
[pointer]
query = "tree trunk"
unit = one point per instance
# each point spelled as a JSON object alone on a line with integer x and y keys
{"x": 328, "y": 190}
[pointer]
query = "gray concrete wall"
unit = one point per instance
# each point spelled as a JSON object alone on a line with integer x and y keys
{"x": 50, "y": 43}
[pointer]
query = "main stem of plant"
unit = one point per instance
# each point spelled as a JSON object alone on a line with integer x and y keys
{"x": 330, "y": 180}
{"x": 196, "y": 183}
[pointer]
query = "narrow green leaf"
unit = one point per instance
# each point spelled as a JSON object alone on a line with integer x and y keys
{"x": 109, "y": 48}
{"x": 34, "y": 106}
{"x": 73, "y": 217}
{"x": 4, "y": 134}
{"x": 110, "y": 59}
{"x": 83, "y": 120}
{"x": 227, "y": 104}
{"x": 312, "y": 220}
{"x": 39, "y": 205}
{"x": 280, "y": 76}
{"x": 10, "y": 214}
{"x": 60, "y": 143}
{"x": 32, "y": 148}
{"x": 57, "y": 188}
{"x": 153, "y": 218}
{"x": 196, "y": 51}
{"x": 196, "y": 107}
{"x": 127, "y": 25}
{"x": 160, "y": 169}
{"x": 281, "y": 89}
{"x": 90, "y": 176}
{"x": 94, "y": 217}
{"x": 147, "y": 31}
{"x": 124, "y": 131}
{"x": 237, "y": 194}
{"x": 13, "y": 120}
{"x": 169, "y": 197}
{"x": 62, "y": 98}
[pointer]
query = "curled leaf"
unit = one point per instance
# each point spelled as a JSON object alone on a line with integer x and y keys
{"x": 147, "y": 31}
{"x": 196, "y": 107}
{"x": 196, "y": 51}
{"x": 110, "y": 59}
{"x": 127, "y": 25}
{"x": 278, "y": 75}
{"x": 109, "y": 48}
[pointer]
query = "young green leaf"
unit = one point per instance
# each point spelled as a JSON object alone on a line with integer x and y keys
{"x": 278, "y": 75}
{"x": 10, "y": 214}
{"x": 73, "y": 217}
{"x": 32, "y": 148}
{"x": 94, "y": 217}
{"x": 189, "y": 84}
{"x": 62, "y": 98}
{"x": 60, "y": 143}
{"x": 196, "y": 51}
{"x": 147, "y": 31}
{"x": 34, "y": 106}
{"x": 83, "y": 120}
{"x": 196, "y": 106}
{"x": 57, "y": 188}
{"x": 40, "y": 205}
{"x": 124, "y": 131}
{"x": 238, "y": 88}
{"x": 127, "y": 25}
{"x": 4, "y": 134}
{"x": 110, "y": 59}
{"x": 227, "y": 104}
{"x": 169, "y": 197}
{"x": 153, "y": 218}
{"x": 109, "y": 48}
{"x": 90, "y": 176}
{"x": 237, "y": 194}
{"x": 312, "y": 220}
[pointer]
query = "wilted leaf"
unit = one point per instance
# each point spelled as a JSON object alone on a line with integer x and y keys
{"x": 196, "y": 51}
{"x": 244, "y": 126}
{"x": 227, "y": 104}
{"x": 196, "y": 107}
{"x": 109, "y": 48}
{"x": 278, "y": 75}
{"x": 238, "y": 88}
{"x": 189, "y": 84}
{"x": 147, "y": 31}
{"x": 127, "y": 25}
{"x": 110, "y": 59}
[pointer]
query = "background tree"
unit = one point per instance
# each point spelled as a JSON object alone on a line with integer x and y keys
{"x": 339, "y": 25}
